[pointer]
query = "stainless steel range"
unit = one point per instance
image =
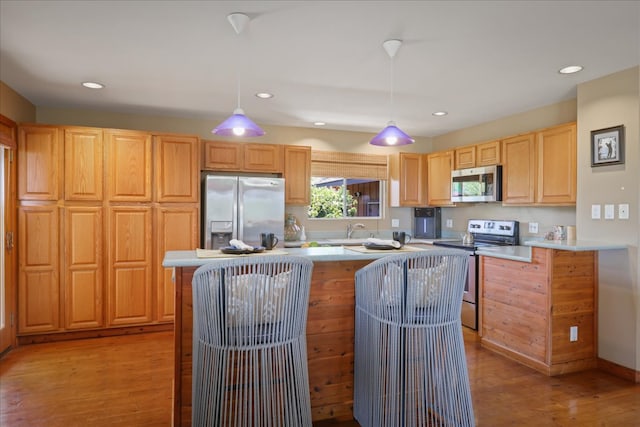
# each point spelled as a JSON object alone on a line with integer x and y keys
{"x": 483, "y": 232}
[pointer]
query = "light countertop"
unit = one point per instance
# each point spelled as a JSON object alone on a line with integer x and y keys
{"x": 523, "y": 252}
{"x": 317, "y": 254}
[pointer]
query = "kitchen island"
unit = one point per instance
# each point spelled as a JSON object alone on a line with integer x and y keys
{"x": 330, "y": 327}
{"x": 539, "y": 303}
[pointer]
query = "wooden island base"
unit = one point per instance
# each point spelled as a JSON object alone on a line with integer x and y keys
{"x": 330, "y": 335}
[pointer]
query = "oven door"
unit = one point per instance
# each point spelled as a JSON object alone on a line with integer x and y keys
{"x": 469, "y": 315}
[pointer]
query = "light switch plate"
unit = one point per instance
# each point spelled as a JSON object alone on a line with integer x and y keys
{"x": 595, "y": 211}
{"x": 623, "y": 211}
{"x": 395, "y": 223}
{"x": 609, "y": 212}
{"x": 449, "y": 223}
{"x": 533, "y": 227}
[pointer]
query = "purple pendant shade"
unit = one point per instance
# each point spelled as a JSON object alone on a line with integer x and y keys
{"x": 238, "y": 125}
{"x": 391, "y": 136}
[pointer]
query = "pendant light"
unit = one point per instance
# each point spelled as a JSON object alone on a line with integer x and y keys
{"x": 391, "y": 135}
{"x": 238, "y": 124}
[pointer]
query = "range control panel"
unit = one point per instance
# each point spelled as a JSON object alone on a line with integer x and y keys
{"x": 494, "y": 227}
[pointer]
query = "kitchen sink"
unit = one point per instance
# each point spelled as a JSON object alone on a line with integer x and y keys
{"x": 344, "y": 242}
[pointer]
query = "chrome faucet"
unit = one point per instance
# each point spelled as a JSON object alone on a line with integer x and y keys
{"x": 351, "y": 227}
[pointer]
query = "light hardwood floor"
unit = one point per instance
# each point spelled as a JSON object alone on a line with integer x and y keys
{"x": 126, "y": 381}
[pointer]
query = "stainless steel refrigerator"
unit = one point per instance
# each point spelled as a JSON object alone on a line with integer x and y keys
{"x": 241, "y": 208}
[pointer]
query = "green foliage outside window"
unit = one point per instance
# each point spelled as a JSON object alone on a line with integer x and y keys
{"x": 328, "y": 202}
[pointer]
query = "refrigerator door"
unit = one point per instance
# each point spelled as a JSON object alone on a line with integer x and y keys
{"x": 219, "y": 210}
{"x": 261, "y": 208}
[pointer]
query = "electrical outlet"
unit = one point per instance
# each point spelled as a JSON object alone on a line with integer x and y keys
{"x": 595, "y": 211}
{"x": 573, "y": 333}
{"x": 623, "y": 211}
{"x": 608, "y": 212}
{"x": 533, "y": 227}
{"x": 395, "y": 223}
{"x": 449, "y": 223}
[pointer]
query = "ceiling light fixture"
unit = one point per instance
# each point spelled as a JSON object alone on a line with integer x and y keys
{"x": 391, "y": 135}
{"x": 238, "y": 124}
{"x": 264, "y": 95}
{"x": 319, "y": 123}
{"x": 570, "y": 69}
{"x": 93, "y": 85}
{"x": 439, "y": 113}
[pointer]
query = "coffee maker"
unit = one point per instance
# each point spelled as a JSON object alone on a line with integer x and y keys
{"x": 426, "y": 223}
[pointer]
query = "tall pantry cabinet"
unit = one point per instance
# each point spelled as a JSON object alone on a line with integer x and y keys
{"x": 109, "y": 202}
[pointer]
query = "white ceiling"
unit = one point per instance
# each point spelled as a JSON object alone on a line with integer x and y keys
{"x": 323, "y": 60}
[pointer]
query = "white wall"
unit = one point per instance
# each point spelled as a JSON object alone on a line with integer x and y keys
{"x": 610, "y": 101}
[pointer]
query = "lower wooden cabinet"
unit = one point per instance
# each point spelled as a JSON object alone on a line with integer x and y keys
{"x": 83, "y": 270}
{"x": 38, "y": 281}
{"x": 528, "y": 308}
{"x": 129, "y": 265}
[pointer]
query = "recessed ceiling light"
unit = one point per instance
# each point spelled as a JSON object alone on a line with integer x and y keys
{"x": 93, "y": 85}
{"x": 319, "y": 123}
{"x": 439, "y": 113}
{"x": 570, "y": 69}
{"x": 264, "y": 95}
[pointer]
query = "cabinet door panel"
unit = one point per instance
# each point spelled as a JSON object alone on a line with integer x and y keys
{"x": 439, "y": 178}
{"x": 263, "y": 157}
{"x": 38, "y": 285}
{"x": 518, "y": 173}
{"x": 177, "y": 229}
{"x": 488, "y": 153}
{"x": 129, "y": 291}
{"x": 557, "y": 165}
{"x": 465, "y": 157}
{"x": 222, "y": 155}
{"x": 83, "y": 172}
{"x": 129, "y": 166}
{"x": 39, "y": 163}
{"x": 83, "y": 268}
{"x": 297, "y": 174}
{"x": 176, "y": 168}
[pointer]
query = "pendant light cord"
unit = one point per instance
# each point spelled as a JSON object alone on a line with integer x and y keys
{"x": 391, "y": 92}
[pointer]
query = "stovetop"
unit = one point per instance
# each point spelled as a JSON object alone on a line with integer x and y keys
{"x": 487, "y": 233}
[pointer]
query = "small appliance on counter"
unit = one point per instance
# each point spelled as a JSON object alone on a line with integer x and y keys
{"x": 426, "y": 223}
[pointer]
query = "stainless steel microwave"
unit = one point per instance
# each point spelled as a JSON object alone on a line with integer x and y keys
{"x": 483, "y": 184}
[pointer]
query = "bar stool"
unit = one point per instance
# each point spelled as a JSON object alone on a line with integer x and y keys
{"x": 249, "y": 342}
{"x": 410, "y": 365}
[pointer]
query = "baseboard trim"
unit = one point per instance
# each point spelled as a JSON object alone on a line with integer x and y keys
{"x": 97, "y": 333}
{"x": 619, "y": 371}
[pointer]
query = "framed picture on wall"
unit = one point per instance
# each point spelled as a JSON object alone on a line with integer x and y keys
{"x": 607, "y": 146}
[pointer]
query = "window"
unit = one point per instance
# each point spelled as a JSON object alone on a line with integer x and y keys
{"x": 333, "y": 197}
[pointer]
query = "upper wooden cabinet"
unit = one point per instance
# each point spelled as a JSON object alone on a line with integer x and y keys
{"x": 83, "y": 170}
{"x": 539, "y": 168}
{"x": 557, "y": 171}
{"x": 176, "y": 169}
{"x": 128, "y": 155}
{"x": 243, "y": 157}
{"x": 439, "y": 167}
{"x": 518, "y": 169}
{"x": 471, "y": 156}
{"x": 407, "y": 179}
{"x": 297, "y": 175}
{"x": 40, "y": 161}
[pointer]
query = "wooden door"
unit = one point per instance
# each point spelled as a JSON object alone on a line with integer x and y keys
{"x": 465, "y": 157}
{"x": 129, "y": 270}
{"x": 488, "y": 153}
{"x": 38, "y": 282}
{"x": 177, "y": 171}
{"x": 220, "y": 155}
{"x": 83, "y": 164}
{"x": 557, "y": 172}
{"x": 128, "y": 155}
{"x": 263, "y": 157}
{"x": 83, "y": 267}
{"x": 39, "y": 162}
{"x": 518, "y": 170}
{"x": 439, "y": 167}
{"x": 177, "y": 228}
{"x": 297, "y": 174}
{"x": 8, "y": 256}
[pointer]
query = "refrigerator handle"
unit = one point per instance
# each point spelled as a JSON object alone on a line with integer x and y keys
{"x": 238, "y": 211}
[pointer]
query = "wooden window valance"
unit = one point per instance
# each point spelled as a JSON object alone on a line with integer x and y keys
{"x": 348, "y": 165}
